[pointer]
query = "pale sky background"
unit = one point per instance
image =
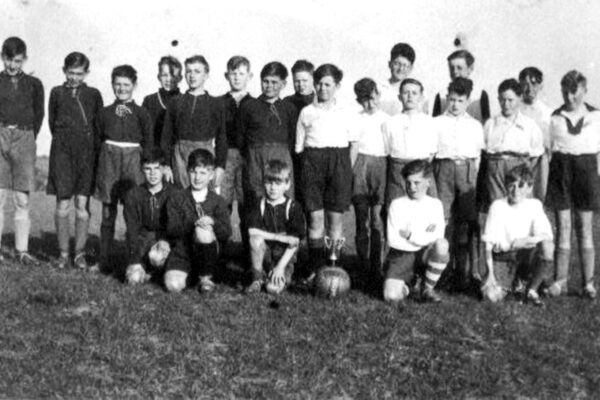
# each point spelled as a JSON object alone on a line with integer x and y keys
{"x": 504, "y": 36}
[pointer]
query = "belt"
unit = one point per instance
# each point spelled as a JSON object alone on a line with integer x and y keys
{"x": 506, "y": 155}
{"x": 458, "y": 161}
{"x": 121, "y": 144}
{"x": 16, "y": 126}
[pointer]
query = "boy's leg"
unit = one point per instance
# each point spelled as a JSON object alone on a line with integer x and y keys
{"x": 361, "y": 212}
{"x": 316, "y": 241}
{"x": 586, "y": 250}
{"x": 399, "y": 270}
{"x": 205, "y": 256}
{"x": 22, "y": 222}
{"x": 377, "y": 242}
{"x": 82, "y": 223}
{"x": 175, "y": 280}
{"x": 436, "y": 258}
{"x": 107, "y": 231}
{"x": 3, "y": 195}
{"x": 542, "y": 266}
{"x": 257, "y": 255}
{"x": 63, "y": 209}
{"x": 136, "y": 273}
{"x": 562, "y": 254}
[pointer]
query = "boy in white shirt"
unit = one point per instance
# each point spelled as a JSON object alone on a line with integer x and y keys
{"x": 369, "y": 173}
{"x": 518, "y": 232}
{"x": 415, "y": 233}
{"x": 460, "y": 141}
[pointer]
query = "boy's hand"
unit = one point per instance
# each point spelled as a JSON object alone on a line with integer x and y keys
{"x": 404, "y": 233}
{"x": 430, "y": 228}
{"x": 205, "y": 222}
{"x": 292, "y": 241}
{"x": 277, "y": 276}
{"x": 168, "y": 174}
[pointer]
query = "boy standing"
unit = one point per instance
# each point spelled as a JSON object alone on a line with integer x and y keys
{"x": 169, "y": 76}
{"x": 460, "y": 141}
{"x": 21, "y": 116}
{"x": 275, "y": 227}
{"x": 415, "y": 233}
{"x": 518, "y": 231}
{"x": 72, "y": 113}
{"x": 461, "y": 64}
{"x": 146, "y": 219}
{"x": 194, "y": 120}
{"x": 197, "y": 219}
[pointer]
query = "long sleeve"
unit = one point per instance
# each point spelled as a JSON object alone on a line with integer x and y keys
{"x": 537, "y": 141}
{"x": 220, "y": 137}
{"x": 292, "y": 123}
{"x": 38, "y": 106}
{"x": 222, "y": 226}
{"x": 147, "y": 128}
{"x": 52, "y": 105}
{"x": 167, "y": 136}
{"x": 300, "y": 133}
{"x": 177, "y": 226}
{"x": 133, "y": 222}
{"x": 422, "y": 237}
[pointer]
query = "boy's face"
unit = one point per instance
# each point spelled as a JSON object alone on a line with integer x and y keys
{"x": 75, "y": 75}
{"x": 416, "y": 186}
{"x": 509, "y": 103}
{"x": 153, "y": 173}
{"x": 574, "y": 99}
{"x": 518, "y": 191}
{"x": 400, "y": 68}
{"x": 303, "y": 83}
{"x": 275, "y": 188}
{"x": 531, "y": 88}
{"x": 410, "y": 96}
{"x": 271, "y": 86}
{"x": 195, "y": 75}
{"x": 326, "y": 89}
{"x": 123, "y": 88}
{"x": 371, "y": 104}
{"x": 238, "y": 78}
{"x": 458, "y": 68}
{"x": 14, "y": 65}
{"x": 200, "y": 177}
{"x": 167, "y": 80}
{"x": 457, "y": 104}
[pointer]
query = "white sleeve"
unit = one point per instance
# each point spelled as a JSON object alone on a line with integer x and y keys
{"x": 478, "y": 130}
{"x": 425, "y": 238}
{"x": 541, "y": 223}
{"x": 494, "y": 229}
{"x": 487, "y": 131}
{"x": 300, "y": 132}
{"x": 537, "y": 140}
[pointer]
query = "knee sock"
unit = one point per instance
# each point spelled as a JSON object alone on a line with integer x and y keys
{"x": 22, "y": 226}
{"x": 208, "y": 255}
{"x": 62, "y": 233}
{"x": 541, "y": 272}
{"x": 82, "y": 224}
{"x": 562, "y": 258}
{"x": 586, "y": 254}
{"x": 107, "y": 232}
{"x": 433, "y": 272}
{"x": 316, "y": 254}
{"x": 376, "y": 252}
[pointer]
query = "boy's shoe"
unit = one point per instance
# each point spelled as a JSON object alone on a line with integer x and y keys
{"x": 590, "y": 291}
{"x": 556, "y": 289}
{"x": 80, "y": 262}
{"x": 62, "y": 262}
{"x": 534, "y": 298}
{"x": 519, "y": 288}
{"x": 25, "y": 258}
{"x": 206, "y": 285}
{"x": 255, "y": 287}
{"x": 430, "y": 295}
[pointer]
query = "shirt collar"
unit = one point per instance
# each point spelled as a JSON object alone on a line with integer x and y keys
{"x": 517, "y": 122}
{"x": 277, "y": 202}
{"x": 264, "y": 100}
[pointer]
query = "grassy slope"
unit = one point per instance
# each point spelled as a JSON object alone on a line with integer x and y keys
{"x": 67, "y": 334}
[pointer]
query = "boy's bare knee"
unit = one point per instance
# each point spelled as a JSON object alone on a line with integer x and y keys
{"x": 441, "y": 248}
{"x": 159, "y": 253}
{"x": 135, "y": 274}
{"x": 175, "y": 281}
{"x": 395, "y": 290}
{"x": 547, "y": 249}
{"x": 256, "y": 242}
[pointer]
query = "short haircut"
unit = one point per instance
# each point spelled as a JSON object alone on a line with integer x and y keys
{"x": 172, "y": 63}
{"x": 461, "y": 86}
{"x": 510, "y": 84}
{"x": 410, "y": 81}
{"x": 200, "y": 158}
{"x": 274, "y": 68}
{"x": 532, "y": 73}
{"x": 236, "y": 62}
{"x": 76, "y": 60}
{"x": 364, "y": 89}
{"x": 13, "y": 46}
{"x": 571, "y": 81}
{"x": 466, "y": 55}
{"x": 277, "y": 170}
{"x": 303, "y": 66}
{"x": 328, "y": 70}
{"x": 415, "y": 167}
{"x": 403, "y": 50}
{"x": 153, "y": 155}
{"x": 198, "y": 59}
{"x": 126, "y": 71}
{"x": 520, "y": 173}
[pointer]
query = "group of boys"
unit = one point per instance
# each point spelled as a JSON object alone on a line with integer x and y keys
{"x": 438, "y": 190}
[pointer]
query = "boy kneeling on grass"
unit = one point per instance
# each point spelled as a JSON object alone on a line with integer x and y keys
{"x": 415, "y": 230}
{"x": 518, "y": 232}
{"x": 275, "y": 226}
{"x": 145, "y": 215}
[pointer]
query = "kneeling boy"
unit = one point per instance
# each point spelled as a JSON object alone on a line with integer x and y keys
{"x": 146, "y": 219}
{"x": 275, "y": 226}
{"x": 415, "y": 231}
{"x": 517, "y": 231}
{"x": 197, "y": 219}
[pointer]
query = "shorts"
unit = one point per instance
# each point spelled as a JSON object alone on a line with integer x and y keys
{"x": 573, "y": 182}
{"x": 406, "y": 265}
{"x": 17, "y": 159}
{"x": 179, "y": 160}
{"x": 456, "y": 186}
{"x": 511, "y": 265}
{"x": 396, "y": 187}
{"x": 369, "y": 179}
{"x": 71, "y": 169}
{"x": 257, "y": 158}
{"x": 231, "y": 186}
{"x": 118, "y": 171}
{"x": 273, "y": 253}
{"x": 326, "y": 178}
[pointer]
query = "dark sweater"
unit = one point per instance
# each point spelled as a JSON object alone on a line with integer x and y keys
{"x": 264, "y": 122}
{"x": 300, "y": 101}
{"x": 72, "y": 112}
{"x": 195, "y": 118}
{"x": 156, "y": 105}
{"x": 21, "y": 101}
{"x": 274, "y": 219}
{"x": 134, "y": 128}
{"x": 233, "y": 129}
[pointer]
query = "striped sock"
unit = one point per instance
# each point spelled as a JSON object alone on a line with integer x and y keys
{"x": 433, "y": 272}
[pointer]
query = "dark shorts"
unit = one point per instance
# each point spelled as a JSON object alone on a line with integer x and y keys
{"x": 257, "y": 158}
{"x": 369, "y": 179}
{"x": 406, "y": 265}
{"x": 17, "y": 159}
{"x": 118, "y": 171}
{"x": 515, "y": 264}
{"x": 273, "y": 253}
{"x": 326, "y": 179}
{"x": 396, "y": 187}
{"x": 231, "y": 186}
{"x": 456, "y": 186}
{"x": 71, "y": 171}
{"x": 573, "y": 182}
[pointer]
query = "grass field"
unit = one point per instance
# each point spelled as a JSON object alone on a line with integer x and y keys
{"x": 67, "y": 334}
